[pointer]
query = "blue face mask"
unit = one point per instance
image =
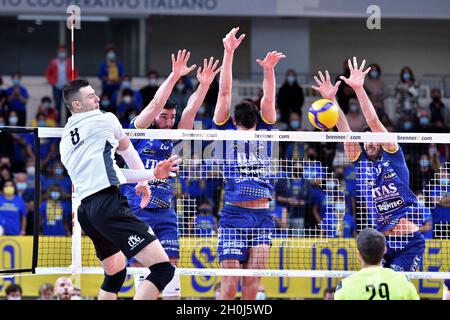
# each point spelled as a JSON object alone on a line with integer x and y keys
{"x": 126, "y": 84}
{"x": 131, "y": 117}
{"x": 59, "y": 171}
{"x": 41, "y": 123}
{"x": 340, "y": 207}
{"x": 13, "y": 120}
{"x": 424, "y": 163}
{"x": 55, "y": 195}
{"x": 111, "y": 55}
{"x": 16, "y": 82}
{"x": 424, "y": 121}
{"x": 295, "y": 124}
{"x": 445, "y": 181}
{"x": 21, "y": 186}
{"x": 291, "y": 79}
{"x": 408, "y": 125}
{"x": 202, "y": 110}
{"x": 105, "y": 103}
{"x": 406, "y": 76}
{"x": 374, "y": 74}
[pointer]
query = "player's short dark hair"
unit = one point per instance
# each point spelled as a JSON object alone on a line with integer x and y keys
{"x": 13, "y": 288}
{"x": 170, "y": 105}
{"x": 246, "y": 114}
{"x": 371, "y": 245}
{"x": 71, "y": 90}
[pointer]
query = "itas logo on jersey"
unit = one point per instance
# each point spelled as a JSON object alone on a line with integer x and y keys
{"x": 390, "y": 205}
{"x": 390, "y": 189}
{"x": 134, "y": 241}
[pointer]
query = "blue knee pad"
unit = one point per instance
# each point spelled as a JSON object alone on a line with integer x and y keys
{"x": 114, "y": 283}
{"x": 161, "y": 274}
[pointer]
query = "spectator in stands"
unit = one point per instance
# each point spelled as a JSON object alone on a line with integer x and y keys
{"x": 106, "y": 104}
{"x": 407, "y": 94}
{"x": 217, "y": 290}
{"x": 318, "y": 200}
{"x": 48, "y": 151}
{"x": 423, "y": 216}
{"x": 13, "y": 292}
{"x": 17, "y": 99}
{"x": 26, "y": 191}
{"x": 356, "y": 119}
{"x": 5, "y": 170}
{"x": 261, "y": 294}
{"x": 21, "y": 182}
{"x": 423, "y": 121}
{"x": 180, "y": 96}
{"x": 126, "y": 102}
{"x": 376, "y": 89}
{"x": 424, "y": 173}
{"x": 130, "y": 114}
{"x": 46, "y": 292}
{"x": 293, "y": 192}
{"x": 63, "y": 288}
{"x": 438, "y": 112}
{"x": 205, "y": 222}
{"x": 42, "y": 120}
{"x": 294, "y": 150}
{"x": 55, "y": 213}
{"x": 345, "y": 92}
{"x": 440, "y": 196}
{"x": 203, "y": 117}
{"x": 290, "y": 96}
{"x": 57, "y": 177}
{"x": 13, "y": 211}
{"x": 407, "y": 123}
{"x": 148, "y": 92}
{"x": 111, "y": 72}
{"x": 280, "y": 124}
{"x": 51, "y": 114}
{"x": 76, "y": 294}
{"x": 119, "y": 96}
{"x": 328, "y": 294}
{"x": 58, "y": 73}
{"x": 13, "y": 118}
{"x": 3, "y": 100}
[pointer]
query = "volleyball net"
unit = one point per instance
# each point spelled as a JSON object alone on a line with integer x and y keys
{"x": 294, "y": 193}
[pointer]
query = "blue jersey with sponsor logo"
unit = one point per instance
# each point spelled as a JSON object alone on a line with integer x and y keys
{"x": 384, "y": 185}
{"x": 152, "y": 152}
{"x": 246, "y": 166}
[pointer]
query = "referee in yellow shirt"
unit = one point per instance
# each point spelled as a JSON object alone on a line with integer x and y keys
{"x": 373, "y": 282}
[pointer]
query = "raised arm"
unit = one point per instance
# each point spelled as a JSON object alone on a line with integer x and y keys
{"x": 356, "y": 81}
{"x": 328, "y": 91}
{"x": 230, "y": 43}
{"x": 205, "y": 78}
{"x": 268, "y": 112}
{"x": 179, "y": 69}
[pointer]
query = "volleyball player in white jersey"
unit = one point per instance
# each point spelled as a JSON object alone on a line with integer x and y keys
{"x": 88, "y": 144}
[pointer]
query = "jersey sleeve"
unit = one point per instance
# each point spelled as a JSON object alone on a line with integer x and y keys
{"x": 339, "y": 294}
{"x": 119, "y": 133}
{"x": 225, "y": 125}
{"x": 263, "y": 124}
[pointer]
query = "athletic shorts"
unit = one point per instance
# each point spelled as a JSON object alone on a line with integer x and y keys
{"x": 107, "y": 219}
{"x": 164, "y": 224}
{"x": 405, "y": 257}
{"x": 241, "y": 229}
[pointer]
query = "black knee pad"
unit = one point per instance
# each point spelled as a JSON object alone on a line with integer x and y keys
{"x": 114, "y": 283}
{"x": 161, "y": 274}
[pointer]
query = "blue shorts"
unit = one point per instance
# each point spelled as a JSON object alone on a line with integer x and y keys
{"x": 406, "y": 257}
{"x": 242, "y": 228}
{"x": 447, "y": 284}
{"x": 164, "y": 224}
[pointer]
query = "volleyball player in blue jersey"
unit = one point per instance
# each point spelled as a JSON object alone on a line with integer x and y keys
{"x": 385, "y": 176}
{"x": 160, "y": 114}
{"x": 248, "y": 187}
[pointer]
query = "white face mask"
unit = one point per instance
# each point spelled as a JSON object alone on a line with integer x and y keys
{"x": 127, "y": 99}
{"x": 260, "y": 296}
{"x": 14, "y": 298}
{"x": 30, "y": 171}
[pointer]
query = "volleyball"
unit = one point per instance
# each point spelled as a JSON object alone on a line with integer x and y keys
{"x": 323, "y": 114}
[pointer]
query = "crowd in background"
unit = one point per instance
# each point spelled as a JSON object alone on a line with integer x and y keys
{"x": 301, "y": 200}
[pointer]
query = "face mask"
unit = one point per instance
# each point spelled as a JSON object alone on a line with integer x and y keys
{"x": 16, "y": 82}
{"x": 424, "y": 163}
{"x": 131, "y": 116}
{"x": 180, "y": 86}
{"x": 290, "y": 79}
{"x": 445, "y": 181}
{"x": 21, "y": 186}
{"x": 374, "y": 74}
{"x": 111, "y": 55}
{"x": 340, "y": 207}
{"x": 9, "y": 191}
{"x": 295, "y": 124}
{"x": 217, "y": 295}
{"x": 126, "y": 84}
{"x": 41, "y": 123}
{"x": 127, "y": 99}
{"x": 354, "y": 108}
{"x": 105, "y": 103}
{"x": 408, "y": 125}
{"x": 62, "y": 55}
{"x": 202, "y": 110}
{"x": 424, "y": 121}
{"x": 421, "y": 202}
{"x": 406, "y": 76}
{"x": 59, "y": 171}
{"x": 13, "y": 120}
{"x": 330, "y": 185}
{"x": 30, "y": 171}
{"x": 260, "y": 296}
{"x": 75, "y": 298}
{"x": 14, "y": 298}
{"x": 47, "y": 105}
{"x": 55, "y": 195}
{"x": 152, "y": 82}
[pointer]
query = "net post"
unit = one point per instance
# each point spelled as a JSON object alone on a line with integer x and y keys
{"x": 37, "y": 197}
{"x": 76, "y": 235}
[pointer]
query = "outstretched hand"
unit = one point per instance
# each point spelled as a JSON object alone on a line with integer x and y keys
{"x": 230, "y": 42}
{"x": 206, "y": 76}
{"x": 357, "y": 75}
{"x": 167, "y": 168}
{"x": 179, "y": 65}
{"x": 271, "y": 60}
{"x": 325, "y": 88}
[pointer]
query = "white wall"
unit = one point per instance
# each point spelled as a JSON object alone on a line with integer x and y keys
{"x": 423, "y": 45}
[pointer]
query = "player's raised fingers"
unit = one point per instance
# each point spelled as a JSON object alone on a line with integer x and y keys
{"x": 322, "y": 78}
{"x": 327, "y": 75}
{"x": 361, "y": 67}
{"x": 317, "y": 81}
{"x": 218, "y": 70}
{"x": 350, "y": 66}
{"x": 215, "y": 64}
{"x": 355, "y": 63}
